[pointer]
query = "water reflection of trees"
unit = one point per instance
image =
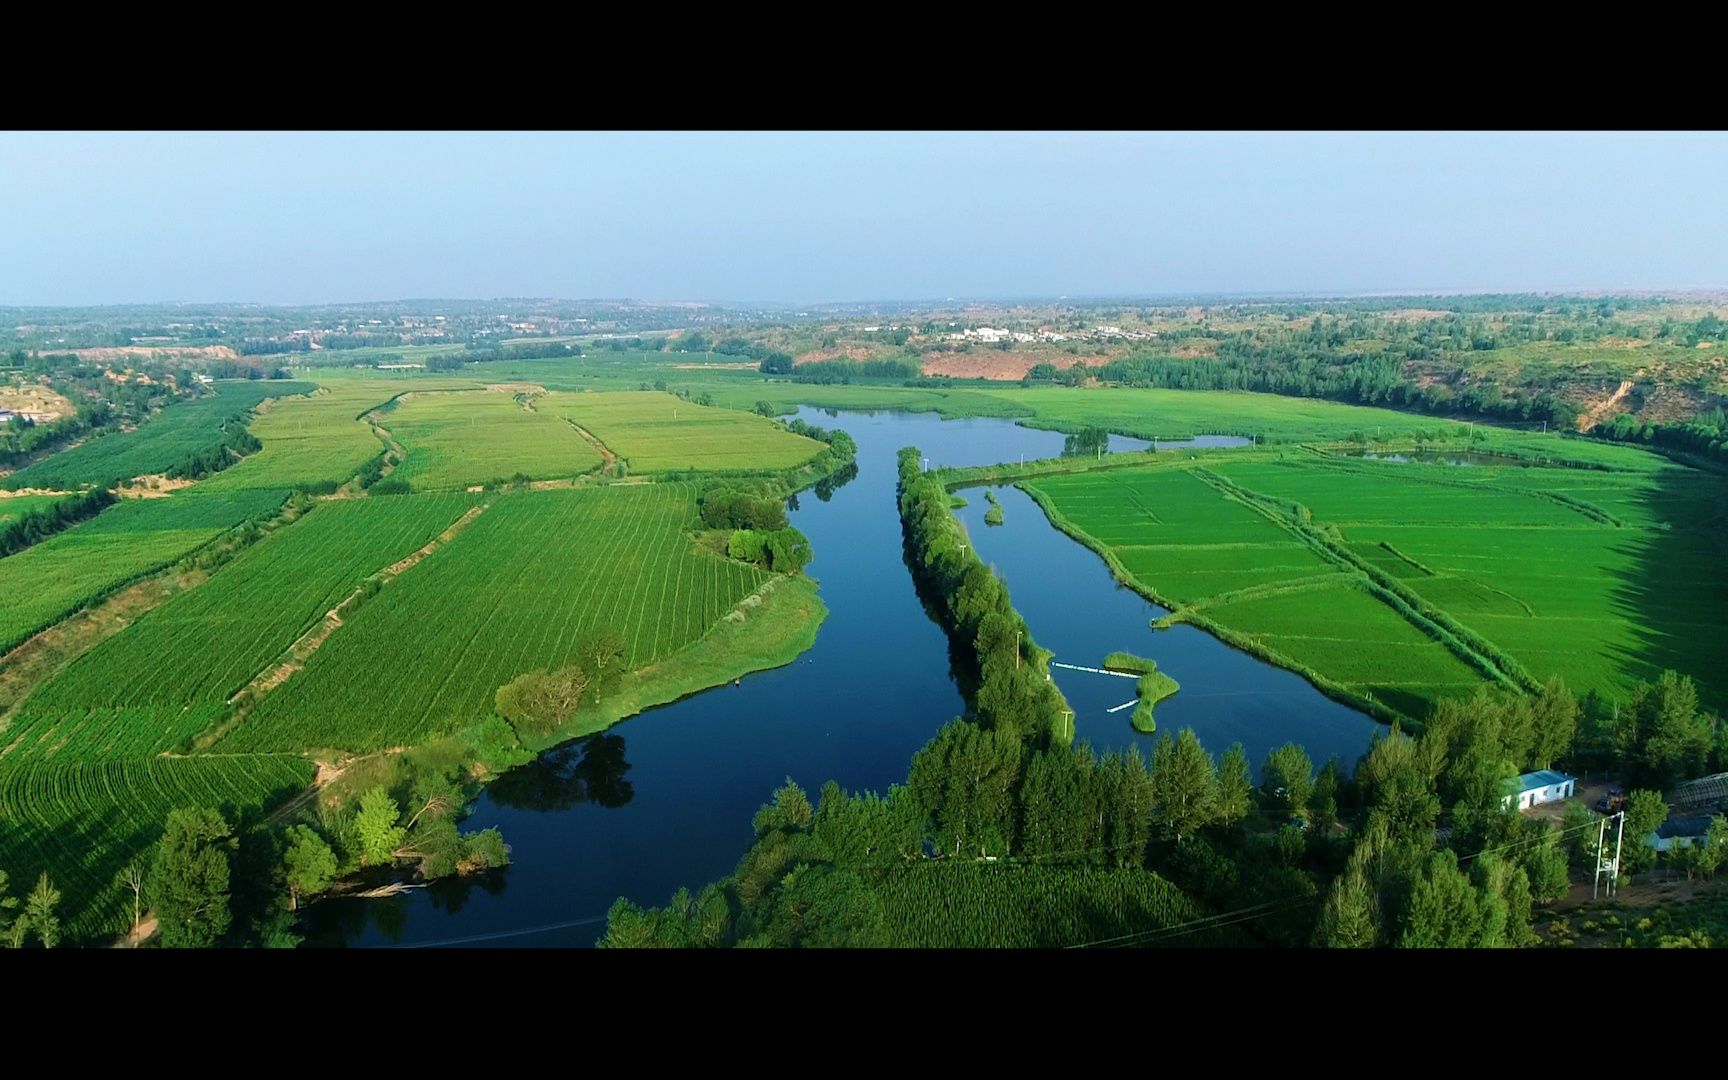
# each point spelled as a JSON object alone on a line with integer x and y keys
{"x": 828, "y": 485}
{"x": 1088, "y": 443}
{"x": 591, "y": 771}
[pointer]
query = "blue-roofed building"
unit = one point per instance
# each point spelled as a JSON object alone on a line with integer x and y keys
{"x": 1680, "y": 832}
{"x": 1543, "y": 785}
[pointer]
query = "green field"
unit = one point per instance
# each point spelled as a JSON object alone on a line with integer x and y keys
{"x": 1601, "y": 578}
{"x": 168, "y": 676}
{"x": 11, "y": 509}
{"x": 45, "y": 583}
{"x": 511, "y": 593}
{"x": 465, "y": 438}
{"x": 182, "y": 429}
{"x": 656, "y": 432}
{"x": 309, "y": 439}
{"x": 81, "y": 821}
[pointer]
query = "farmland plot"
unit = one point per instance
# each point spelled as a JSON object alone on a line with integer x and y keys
{"x": 179, "y": 431}
{"x": 658, "y": 432}
{"x": 511, "y": 593}
{"x": 1601, "y": 578}
{"x": 50, "y": 580}
{"x": 82, "y": 821}
{"x": 463, "y": 438}
{"x": 167, "y": 677}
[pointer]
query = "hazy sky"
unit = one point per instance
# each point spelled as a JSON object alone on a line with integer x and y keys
{"x": 303, "y": 218}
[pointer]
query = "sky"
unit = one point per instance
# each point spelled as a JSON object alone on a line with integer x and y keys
{"x": 300, "y": 218}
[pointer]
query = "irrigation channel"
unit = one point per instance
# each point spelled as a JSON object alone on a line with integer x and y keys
{"x": 665, "y": 799}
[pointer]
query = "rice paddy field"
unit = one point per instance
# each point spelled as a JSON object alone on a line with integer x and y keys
{"x": 1405, "y": 582}
{"x": 465, "y": 438}
{"x": 657, "y": 432}
{"x": 509, "y": 594}
{"x": 49, "y": 581}
{"x": 180, "y": 430}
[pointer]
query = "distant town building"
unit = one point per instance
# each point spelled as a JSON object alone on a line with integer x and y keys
{"x": 1544, "y": 785}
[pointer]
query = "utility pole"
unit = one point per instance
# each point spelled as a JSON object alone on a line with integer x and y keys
{"x": 1620, "y": 830}
{"x": 1596, "y": 878}
{"x": 1016, "y": 650}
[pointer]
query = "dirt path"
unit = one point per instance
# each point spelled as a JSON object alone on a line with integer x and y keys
{"x": 247, "y": 698}
{"x": 139, "y": 935}
{"x": 606, "y": 455}
{"x": 1598, "y": 412}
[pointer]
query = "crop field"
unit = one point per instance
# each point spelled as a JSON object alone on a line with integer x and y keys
{"x": 464, "y": 438}
{"x": 1032, "y": 907}
{"x": 11, "y": 509}
{"x": 82, "y": 821}
{"x": 509, "y": 594}
{"x": 1601, "y": 578}
{"x": 657, "y": 432}
{"x": 180, "y": 430}
{"x": 309, "y": 439}
{"x": 44, "y": 583}
{"x": 167, "y": 677}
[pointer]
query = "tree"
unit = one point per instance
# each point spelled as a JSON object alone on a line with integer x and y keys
{"x": 1661, "y": 734}
{"x": 1645, "y": 812}
{"x": 376, "y": 827}
{"x": 133, "y": 877}
{"x": 1124, "y": 799}
{"x": 1555, "y": 715}
{"x": 1545, "y": 863}
{"x": 1235, "y": 782}
{"x": 1184, "y": 785}
{"x": 964, "y": 782}
{"x": 190, "y": 877}
{"x": 1058, "y": 812}
{"x": 12, "y": 927}
{"x": 1714, "y": 848}
{"x": 1288, "y": 775}
{"x": 1323, "y": 801}
{"x": 1444, "y": 911}
{"x": 309, "y": 864}
{"x": 39, "y": 912}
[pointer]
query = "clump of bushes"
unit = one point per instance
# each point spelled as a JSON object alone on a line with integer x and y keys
{"x": 540, "y": 702}
{"x": 1153, "y": 686}
{"x": 726, "y": 508}
{"x": 784, "y": 551}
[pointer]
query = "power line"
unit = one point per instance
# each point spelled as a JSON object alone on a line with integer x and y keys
{"x": 501, "y": 935}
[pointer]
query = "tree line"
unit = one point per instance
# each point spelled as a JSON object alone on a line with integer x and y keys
{"x": 38, "y": 525}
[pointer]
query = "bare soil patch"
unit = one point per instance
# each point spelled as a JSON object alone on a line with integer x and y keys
{"x": 1601, "y": 410}
{"x": 152, "y": 486}
{"x": 155, "y": 352}
{"x": 996, "y": 364}
{"x": 38, "y": 400}
{"x": 850, "y": 352}
{"x": 21, "y": 492}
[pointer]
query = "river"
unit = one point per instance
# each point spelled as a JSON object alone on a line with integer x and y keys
{"x": 665, "y": 799}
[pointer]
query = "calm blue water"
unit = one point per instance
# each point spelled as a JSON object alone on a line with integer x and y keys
{"x": 1078, "y": 610}
{"x": 665, "y": 799}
